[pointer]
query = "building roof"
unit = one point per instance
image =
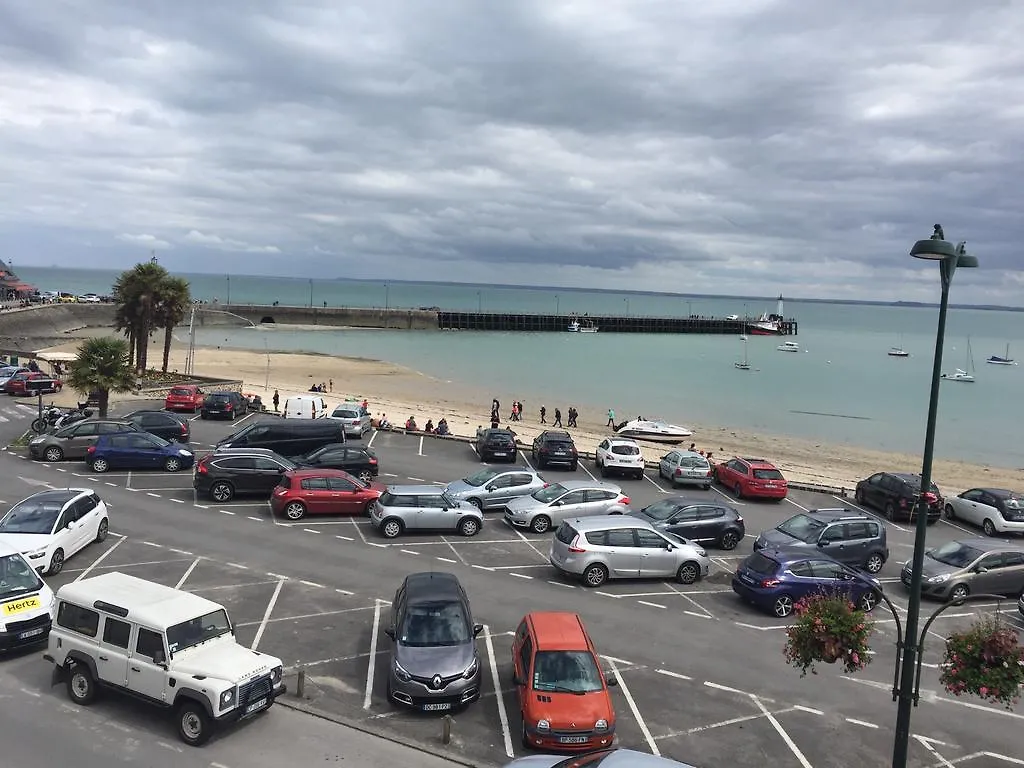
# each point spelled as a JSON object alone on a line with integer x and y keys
{"x": 148, "y": 603}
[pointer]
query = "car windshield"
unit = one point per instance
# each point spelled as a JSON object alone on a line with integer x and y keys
{"x": 159, "y": 442}
{"x": 625, "y": 450}
{"x": 197, "y": 630}
{"x": 566, "y": 672}
{"x": 32, "y": 516}
{"x": 479, "y": 478}
{"x": 344, "y": 413}
{"x": 1014, "y": 501}
{"x": 181, "y": 392}
{"x": 802, "y": 528}
{"x": 758, "y": 563}
{"x": 429, "y": 625}
{"x": 660, "y": 510}
{"x": 549, "y": 493}
{"x": 767, "y": 474}
{"x": 955, "y": 553}
{"x": 17, "y": 577}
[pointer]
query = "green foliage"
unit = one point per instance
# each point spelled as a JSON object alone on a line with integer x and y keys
{"x": 985, "y": 660}
{"x": 103, "y": 365}
{"x": 828, "y": 628}
{"x": 148, "y": 298}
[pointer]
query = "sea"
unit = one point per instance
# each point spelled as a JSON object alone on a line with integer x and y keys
{"x": 842, "y": 387}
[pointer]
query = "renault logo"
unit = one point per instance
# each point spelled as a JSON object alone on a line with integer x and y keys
{"x": 436, "y": 682}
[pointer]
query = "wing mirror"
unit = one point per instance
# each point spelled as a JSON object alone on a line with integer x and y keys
{"x": 160, "y": 658}
{"x": 519, "y": 680}
{"x": 390, "y": 632}
{"x": 612, "y": 681}
{"x": 981, "y": 569}
{"x": 489, "y": 488}
{"x": 558, "y": 503}
{"x": 477, "y": 629}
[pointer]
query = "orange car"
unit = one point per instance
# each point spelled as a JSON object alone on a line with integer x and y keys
{"x": 563, "y": 692}
{"x": 184, "y": 397}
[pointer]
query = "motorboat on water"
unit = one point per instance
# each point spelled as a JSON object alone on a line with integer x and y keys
{"x": 769, "y": 324}
{"x": 654, "y": 431}
{"x": 958, "y": 375}
{"x": 1005, "y": 360}
{"x": 788, "y": 346}
{"x": 586, "y": 326}
{"x": 898, "y": 352}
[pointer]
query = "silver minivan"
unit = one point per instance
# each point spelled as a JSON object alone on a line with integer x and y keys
{"x": 72, "y": 442}
{"x": 550, "y": 505}
{"x": 355, "y": 420}
{"x": 596, "y": 549}
{"x": 493, "y": 487}
{"x": 404, "y": 508}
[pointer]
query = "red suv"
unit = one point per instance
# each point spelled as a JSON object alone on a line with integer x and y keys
{"x": 756, "y": 478}
{"x": 322, "y": 492}
{"x": 185, "y": 397}
{"x": 18, "y": 384}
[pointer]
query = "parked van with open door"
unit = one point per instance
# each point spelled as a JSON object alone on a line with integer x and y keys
{"x": 305, "y": 407}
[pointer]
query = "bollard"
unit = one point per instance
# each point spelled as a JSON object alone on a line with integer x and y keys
{"x": 300, "y": 684}
{"x": 446, "y": 729}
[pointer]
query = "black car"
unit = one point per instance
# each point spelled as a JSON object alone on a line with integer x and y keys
{"x": 496, "y": 445}
{"x": 356, "y": 460}
{"x": 288, "y": 437}
{"x": 224, "y": 405}
{"x": 896, "y": 494}
{"x": 554, "y": 446}
{"x": 224, "y": 474}
{"x": 700, "y": 520}
{"x": 162, "y": 424}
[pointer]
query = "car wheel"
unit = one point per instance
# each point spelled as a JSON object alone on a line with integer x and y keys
{"x": 574, "y": 466}
{"x": 688, "y": 573}
{"x": 525, "y": 736}
{"x": 366, "y": 475}
{"x": 959, "y": 593}
{"x": 989, "y": 528}
{"x": 706, "y": 487}
{"x": 81, "y": 685}
{"x": 729, "y": 540}
{"x": 469, "y": 526}
{"x": 868, "y": 601}
{"x": 595, "y": 575}
{"x": 476, "y": 503}
{"x": 173, "y": 464}
{"x": 874, "y": 563}
{"x": 102, "y": 530}
{"x": 391, "y": 528}
{"x": 604, "y": 471}
{"x": 950, "y": 512}
{"x": 99, "y": 465}
{"x": 858, "y": 496}
{"x": 194, "y": 725}
{"x": 56, "y": 562}
{"x": 738, "y": 490}
{"x": 540, "y": 524}
{"x": 222, "y": 492}
{"x": 783, "y": 606}
{"x": 597, "y": 462}
{"x": 53, "y": 453}
{"x": 890, "y": 511}
{"x": 295, "y": 510}
{"x": 203, "y": 416}
{"x": 640, "y": 475}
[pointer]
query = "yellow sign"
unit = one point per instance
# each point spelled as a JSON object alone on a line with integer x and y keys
{"x": 20, "y": 606}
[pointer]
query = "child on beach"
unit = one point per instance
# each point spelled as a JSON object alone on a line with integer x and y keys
{"x": 543, "y": 414}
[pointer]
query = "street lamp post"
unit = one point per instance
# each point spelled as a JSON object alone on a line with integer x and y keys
{"x": 479, "y": 303}
{"x": 229, "y": 290}
{"x": 627, "y": 307}
{"x": 387, "y": 297}
{"x": 557, "y": 304}
{"x": 311, "y": 293}
{"x": 937, "y": 248}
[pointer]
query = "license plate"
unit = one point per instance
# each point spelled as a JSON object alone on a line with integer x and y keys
{"x": 572, "y": 739}
{"x": 745, "y": 578}
{"x": 31, "y": 633}
{"x": 256, "y": 706}
{"x": 500, "y": 453}
{"x": 439, "y": 707}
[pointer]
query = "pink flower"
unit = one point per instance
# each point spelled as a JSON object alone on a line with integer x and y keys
{"x": 856, "y": 658}
{"x": 983, "y": 691}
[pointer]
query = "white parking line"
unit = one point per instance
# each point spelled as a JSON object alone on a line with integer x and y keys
{"x": 371, "y": 667}
{"x": 652, "y": 605}
{"x": 369, "y": 443}
{"x": 526, "y": 460}
{"x": 520, "y": 575}
{"x": 359, "y": 531}
{"x": 676, "y": 675}
{"x": 454, "y": 551}
{"x": 799, "y": 506}
{"x": 530, "y": 544}
{"x": 590, "y": 474}
{"x": 864, "y": 723}
{"x": 266, "y": 615}
{"x": 732, "y": 499}
{"x": 782, "y": 732}
{"x": 502, "y": 714}
{"x": 409, "y": 551}
{"x": 636, "y": 710}
{"x": 101, "y": 558}
{"x": 420, "y": 452}
{"x": 188, "y": 572}
{"x": 704, "y": 611}
{"x": 446, "y": 560}
{"x": 656, "y": 485}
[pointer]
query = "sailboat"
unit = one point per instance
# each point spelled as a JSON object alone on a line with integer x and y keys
{"x": 1005, "y": 360}
{"x": 898, "y": 350}
{"x": 960, "y": 374}
{"x": 744, "y": 365}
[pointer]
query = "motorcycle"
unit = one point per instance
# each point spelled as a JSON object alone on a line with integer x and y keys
{"x": 72, "y": 417}
{"x": 50, "y": 415}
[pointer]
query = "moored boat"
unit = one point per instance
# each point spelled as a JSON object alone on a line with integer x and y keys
{"x": 654, "y": 431}
{"x": 769, "y": 324}
{"x": 788, "y": 346}
{"x": 1005, "y": 360}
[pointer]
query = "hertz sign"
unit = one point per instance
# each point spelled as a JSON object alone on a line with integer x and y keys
{"x": 20, "y": 606}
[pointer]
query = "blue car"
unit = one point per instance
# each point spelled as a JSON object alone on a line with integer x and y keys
{"x": 137, "y": 450}
{"x": 775, "y": 579}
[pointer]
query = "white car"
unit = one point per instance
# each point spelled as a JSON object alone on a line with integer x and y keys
{"x": 619, "y": 455}
{"x": 994, "y": 509}
{"x": 26, "y": 603}
{"x": 51, "y": 526}
{"x": 89, "y": 298}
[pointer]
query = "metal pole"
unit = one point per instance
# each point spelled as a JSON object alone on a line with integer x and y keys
{"x": 229, "y": 290}
{"x": 191, "y": 341}
{"x": 479, "y": 303}
{"x": 266, "y": 348}
{"x": 556, "y": 304}
{"x": 909, "y": 665}
{"x": 310, "y": 294}
{"x": 387, "y": 291}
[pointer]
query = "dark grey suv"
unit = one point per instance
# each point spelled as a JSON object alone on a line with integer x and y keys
{"x": 435, "y": 666}
{"x": 844, "y": 535}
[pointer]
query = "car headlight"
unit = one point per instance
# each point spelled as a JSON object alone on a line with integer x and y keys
{"x": 701, "y": 552}
{"x": 401, "y": 674}
{"x": 601, "y": 725}
{"x": 36, "y": 555}
{"x": 938, "y": 579}
{"x": 227, "y": 698}
{"x": 543, "y": 725}
{"x": 276, "y": 674}
{"x": 36, "y": 440}
{"x": 471, "y": 669}
{"x": 184, "y": 453}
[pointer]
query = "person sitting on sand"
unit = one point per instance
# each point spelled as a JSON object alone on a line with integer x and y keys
{"x": 693, "y": 447}
{"x": 442, "y": 428}
{"x": 383, "y": 423}
{"x": 410, "y": 424}
{"x": 429, "y": 428}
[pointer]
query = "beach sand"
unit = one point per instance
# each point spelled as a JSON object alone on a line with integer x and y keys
{"x": 401, "y": 392}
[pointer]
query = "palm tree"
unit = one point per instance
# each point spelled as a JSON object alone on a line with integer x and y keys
{"x": 175, "y": 299}
{"x": 103, "y": 365}
{"x": 136, "y": 292}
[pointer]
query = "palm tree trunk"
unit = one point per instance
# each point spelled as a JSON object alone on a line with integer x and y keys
{"x": 131, "y": 343}
{"x": 168, "y": 331}
{"x": 104, "y": 398}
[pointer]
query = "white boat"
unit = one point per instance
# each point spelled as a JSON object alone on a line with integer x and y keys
{"x": 1005, "y": 360}
{"x": 732, "y": 317}
{"x": 744, "y": 364}
{"x": 960, "y": 374}
{"x": 789, "y": 346}
{"x": 586, "y": 326}
{"x": 654, "y": 431}
{"x": 769, "y": 324}
{"x": 898, "y": 352}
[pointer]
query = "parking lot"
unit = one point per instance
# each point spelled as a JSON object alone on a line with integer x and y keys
{"x": 690, "y": 686}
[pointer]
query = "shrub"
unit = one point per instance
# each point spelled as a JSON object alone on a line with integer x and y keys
{"x": 828, "y": 628}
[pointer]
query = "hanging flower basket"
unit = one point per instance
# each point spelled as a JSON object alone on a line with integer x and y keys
{"x": 829, "y": 628}
{"x": 985, "y": 660}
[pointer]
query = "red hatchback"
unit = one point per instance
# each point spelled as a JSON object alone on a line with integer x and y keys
{"x": 756, "y": 478}
{"x": 185, "y": 397}
{"x": 304, "y": 492}
{"x": 18, "y": 383}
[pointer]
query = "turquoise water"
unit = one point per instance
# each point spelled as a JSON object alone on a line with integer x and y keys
{"x": 873, "y": 400}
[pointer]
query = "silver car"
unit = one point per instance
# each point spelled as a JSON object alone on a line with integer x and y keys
{"x": 957, "y": 569}
{"x": 606, "y": 758}
{"x": 73, "y": 442}
{"x": 685, "y": 468}
{"x": 550, "y": 505}
{"x": 596, "y": 549}
{"x": 404, "y": 508}
{"x": 492, "y": 488}
{"x": 353, "y": 418}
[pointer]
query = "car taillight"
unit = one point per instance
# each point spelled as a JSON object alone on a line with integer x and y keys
{"x": 543, "y": 449}
{"x": 228, "y": 407}
{"x": 372, "y": 461}
{"x": 903, "y": 503}
{"x": 930, "y": 497}
{"x": 678, "y": 472}
{"x": 739, "y": 519}
{"x": 624, "y": 500}
{"x": 770, "y": 582}
{"x": 708, "y": 473}
{"x": 91, "y": 449}
{"x": 201, "y": 467}
{"x": 184, "y": 428}
{"x": 574, "y": 548}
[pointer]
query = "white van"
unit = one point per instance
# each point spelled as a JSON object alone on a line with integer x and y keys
{"x": 305, "y": 407}
{"x": 25, "y": 602}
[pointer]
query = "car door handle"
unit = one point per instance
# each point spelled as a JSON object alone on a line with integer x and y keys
{"x": 104, "y": 658}
{"x": 136, "y": 669}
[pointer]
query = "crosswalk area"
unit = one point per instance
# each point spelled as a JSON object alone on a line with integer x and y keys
{"x": 15, "y": 412}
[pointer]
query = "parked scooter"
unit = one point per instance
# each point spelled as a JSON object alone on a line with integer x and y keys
{"x": 51, "y": 414}
{"x": 72, "y": 417}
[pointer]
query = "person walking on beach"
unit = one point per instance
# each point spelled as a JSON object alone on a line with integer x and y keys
{"x": 611, "y": 418}
{"x": 573, "y": 414}
{"x": 495, "y": 405}
{"x": 558, "y": 418}
{"x": 330, "y": 383}
{"x": 543, "y": 414}
{"x": 276, "y": 400}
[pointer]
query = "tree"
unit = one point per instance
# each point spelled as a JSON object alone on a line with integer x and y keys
{"x": 148, "y": 298}
{"x": 103, "y": 365}
{"x": 174, "y": 301}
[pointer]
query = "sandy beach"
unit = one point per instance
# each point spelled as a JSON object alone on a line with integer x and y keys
{"x": 400, "y": 392}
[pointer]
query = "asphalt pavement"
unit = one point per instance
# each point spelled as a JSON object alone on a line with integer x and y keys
{"x": 702, "y": 674}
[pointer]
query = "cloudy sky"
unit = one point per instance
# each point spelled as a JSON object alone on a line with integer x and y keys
{"x": 727, "y": 146}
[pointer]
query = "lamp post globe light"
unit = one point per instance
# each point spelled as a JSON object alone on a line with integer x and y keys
{"x": 949, "y": 257}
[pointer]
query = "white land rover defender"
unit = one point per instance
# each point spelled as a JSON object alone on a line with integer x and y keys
{"x": 164, "y": 646}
